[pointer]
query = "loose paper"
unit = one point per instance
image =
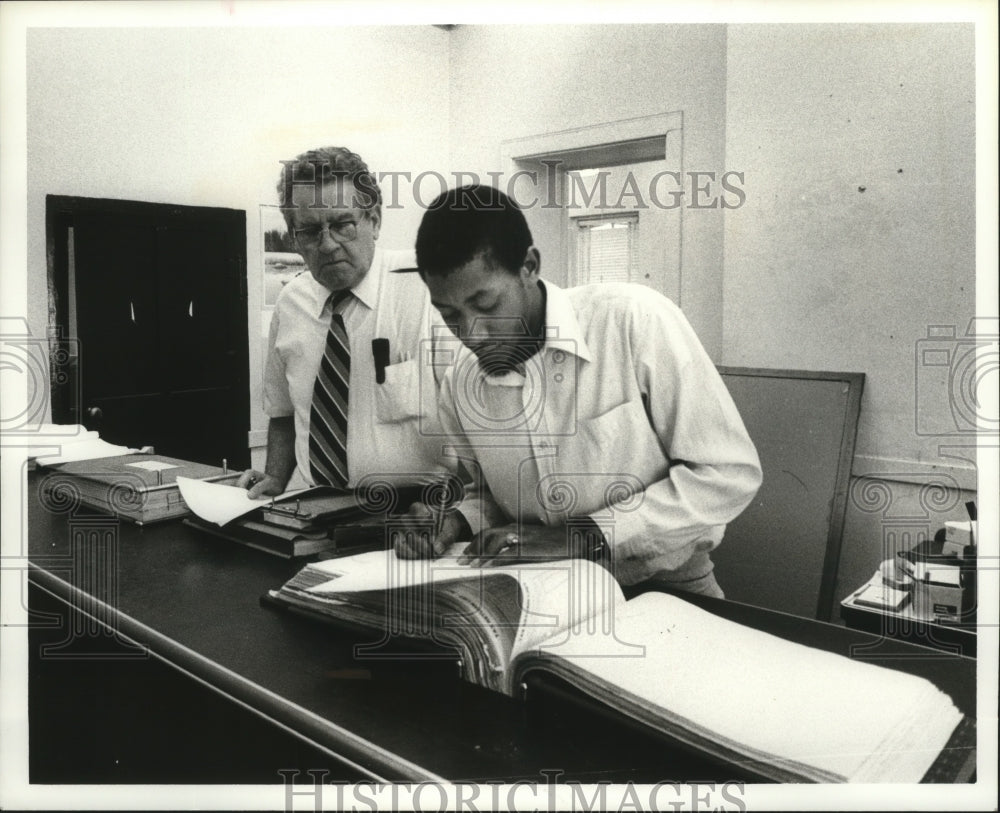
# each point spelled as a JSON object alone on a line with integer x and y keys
{"x": 90, "y": 448}
{"x": 153, "y": 465}
{"x": 216, "y": 502}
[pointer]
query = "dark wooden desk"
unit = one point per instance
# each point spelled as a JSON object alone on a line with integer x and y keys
{"x": 174, "y": 596}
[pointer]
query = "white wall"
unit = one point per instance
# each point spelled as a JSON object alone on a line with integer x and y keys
{"x": 203, "y": 116}
{"x": 858, "y": 145}
{"x": 512, "y": 82}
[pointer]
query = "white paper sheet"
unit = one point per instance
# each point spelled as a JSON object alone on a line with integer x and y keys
{"x": 47, "y": 434}
{"x": 382, "y": 570}
{"x": 90, "y": 448}
{"x": 216, "y": 502}
{"x": 153, "y": 465}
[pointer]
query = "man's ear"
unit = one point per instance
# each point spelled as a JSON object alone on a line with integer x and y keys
{"x": 531, "y": 266}
{"x": 375, "y": 216}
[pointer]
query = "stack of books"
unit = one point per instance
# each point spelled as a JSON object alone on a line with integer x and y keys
{"x": 315, "y": 520}
{"x": 318, "y": 520}
{"x": 134, "y": 486}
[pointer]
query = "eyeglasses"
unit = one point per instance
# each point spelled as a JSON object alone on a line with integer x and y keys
{"x": 343, "y": 231}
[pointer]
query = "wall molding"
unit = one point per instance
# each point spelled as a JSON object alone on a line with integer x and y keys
{"x": 901, "y": 470}
{"x": 580, "y": 138}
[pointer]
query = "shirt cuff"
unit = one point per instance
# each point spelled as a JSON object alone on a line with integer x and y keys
{"x": 640, "y": 549}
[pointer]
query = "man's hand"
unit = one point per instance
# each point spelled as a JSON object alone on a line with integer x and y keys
{"x": 259, "y": 484}
{"x": 428, "y": 533}
{"x": 493, "y": 547}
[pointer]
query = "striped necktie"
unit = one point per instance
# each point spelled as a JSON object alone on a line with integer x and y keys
{"x": 328, "y": 417}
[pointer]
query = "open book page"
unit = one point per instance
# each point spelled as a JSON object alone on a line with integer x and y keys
{"x": 561, "y": 601}
{"x": 714, "y": 682}
{"x": 220, "y": 503}
{"x": 483, "y": 615}
{"x": 553, "y": 595}
{"x": 522, "y": 607}
{"x": 383, "y": 570}
{"x": 473, "y": 610}
{"x": 507, "y": 609}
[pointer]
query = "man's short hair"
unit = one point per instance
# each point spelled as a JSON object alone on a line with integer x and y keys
{"x": 326, "y": 165}
{"x": 464, "y": 222}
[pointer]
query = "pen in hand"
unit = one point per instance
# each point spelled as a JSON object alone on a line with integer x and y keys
{"x": 439, "y": 514}
{"x": 440, "y": 498}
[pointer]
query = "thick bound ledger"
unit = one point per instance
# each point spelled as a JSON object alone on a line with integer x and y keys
{"x": 292, "y": 542}
{"x": 315, "y": 520}
{"x": 285, "y": 542}
{"x": 139, "y": 487}
{"x": 783, "y": 710}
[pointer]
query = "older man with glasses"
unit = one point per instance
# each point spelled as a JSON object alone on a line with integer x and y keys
{"x": 342, "y": 384}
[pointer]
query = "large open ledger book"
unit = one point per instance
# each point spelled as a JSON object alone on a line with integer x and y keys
{"x": 782, "y": 709}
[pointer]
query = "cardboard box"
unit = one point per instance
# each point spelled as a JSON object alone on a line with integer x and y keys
{"x": 958, "y": 536}
{"x": 938, "y": 594}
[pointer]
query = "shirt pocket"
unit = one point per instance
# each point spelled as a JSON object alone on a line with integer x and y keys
{"x": 621, "y": 441}
{"x": 403, "y": 394}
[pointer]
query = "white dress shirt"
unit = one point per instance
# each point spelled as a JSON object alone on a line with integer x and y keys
{"x": 622, "y": 417}
{"x": 390, "y": 425}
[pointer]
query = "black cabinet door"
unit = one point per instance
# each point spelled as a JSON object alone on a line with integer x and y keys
{"x": 203, "y": 344}
{"x": 158, "y": 300}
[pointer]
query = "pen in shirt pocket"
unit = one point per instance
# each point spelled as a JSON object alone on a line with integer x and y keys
{"x": 380, "y": 351}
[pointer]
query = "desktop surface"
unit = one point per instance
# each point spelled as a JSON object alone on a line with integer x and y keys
{"x": 195, "y": 602}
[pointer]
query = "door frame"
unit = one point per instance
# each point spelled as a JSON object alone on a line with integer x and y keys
{"x": 658, "y": 137}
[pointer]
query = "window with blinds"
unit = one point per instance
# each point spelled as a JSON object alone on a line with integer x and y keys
{"x": 605, "y": 247}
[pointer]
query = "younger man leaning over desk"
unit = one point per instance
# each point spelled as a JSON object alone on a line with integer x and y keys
{"x": 583, "y": 409}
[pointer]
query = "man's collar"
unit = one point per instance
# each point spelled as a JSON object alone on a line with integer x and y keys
{"x": 562, "y": 330}
{"x": 365, "y": 291}
{"x": 562, "y": 333}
